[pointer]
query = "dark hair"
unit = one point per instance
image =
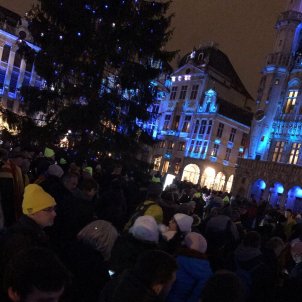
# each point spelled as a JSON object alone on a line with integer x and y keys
{"x": 155, "y": 267}
{"x": 68, "y": 176}
{"x": 35, "y": 268}
{"x": 224, "y": 286}
{"x": 87, "y": 184}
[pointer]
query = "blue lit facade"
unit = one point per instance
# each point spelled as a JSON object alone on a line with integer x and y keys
{"x": 276, "y": 134}
{"x": 204, "y": 121}
{"x": 14, "y": 71}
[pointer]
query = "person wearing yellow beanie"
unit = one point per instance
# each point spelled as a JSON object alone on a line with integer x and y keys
{"x": 39, "y": 205}
{"x": 38, "y": 212}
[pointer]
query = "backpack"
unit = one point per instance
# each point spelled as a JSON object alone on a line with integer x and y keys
{"x": 139, "y": 211}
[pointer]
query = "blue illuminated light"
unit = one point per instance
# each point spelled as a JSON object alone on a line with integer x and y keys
{"x": 213, "y": 159}
{"x": 168, "y": 156}
{"x": 225, "y": 162}
{"x": 217, "y": 141}
{"x": 241, "y": 149}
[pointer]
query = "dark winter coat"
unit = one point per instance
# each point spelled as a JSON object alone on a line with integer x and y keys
{"x": 126, "y": 250}
{"x": 90, "y": 272}
{"x": 193, "y": 272}
{"x": 127, "y": 287}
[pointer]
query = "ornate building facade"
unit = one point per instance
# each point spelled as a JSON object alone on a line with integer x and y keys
{"x": 204, "y": 121}
{"x": 14, "y": 71}
{"x": 274, "y": 169}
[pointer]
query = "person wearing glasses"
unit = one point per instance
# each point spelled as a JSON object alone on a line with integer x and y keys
{"x": 38, "y": 213}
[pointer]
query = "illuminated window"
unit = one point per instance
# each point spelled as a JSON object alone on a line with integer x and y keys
{"x": 181, "y": 146}
{"x": 186, "y": 124}
{"x": 278, "y": 151}
{"x": 5, "y": 53}
{"x": 204, "y": 147}
{"x": 220, "y": 130}
{"x": 215, "y": 150}
{"x": 167, "y": 121}
{"x": 197, "y": 147}
{"x": 209, "y": 127}
{"x": 192, "y": 145}
{"x": 203, "y": 127}
{"x": 156, "y": 163}
{"x": 194, "y": 92}
{"x": 183, "y": 92}
{"x": 173, "y": 93}
{"x": 170, "y": 145}
{"x": 227, "y": 154}
{"x": 290, "y": 101}
{"x": 196, "y": 126}
{"x": 232, "y": 135}
{"x": 162, "y": 144}
{"x": 176, "y": 122}
{"x": 294, "y": 154}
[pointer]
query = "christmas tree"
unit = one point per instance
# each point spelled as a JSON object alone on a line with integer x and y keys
{"x": 97, "y": 59}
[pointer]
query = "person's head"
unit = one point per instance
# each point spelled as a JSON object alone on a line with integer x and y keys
{"x": 224, "y": 286}
{"x": 276, "y": 244}
{"x": 17, "y": 156}
{"x": 55, "y": 170}
{"x": 288, "y": 213}
{"x": 196, "y": 242}
{"x": 35, "y": 275}
{"x": 145, "y": 228}
{"x": 252, "y": 239}
{"x": 70, "y": 181}
{"x": 89, "y": 187}
{"x": 181, "y": 222}
{"x": 39, "y": 205}
{"x": 296, "y": 252}
{"x": 101, "y": 235}
{"x": 156, "y": 270}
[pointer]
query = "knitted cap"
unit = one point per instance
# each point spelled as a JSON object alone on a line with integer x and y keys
{"x": 55, "y": 170}
{"x": 49, "y": 152}
{"x": 36, "y": 199}
{"x": 196, "y": 241}
{"x": 145, "y": 228}
{"x": 88, "y": 170}
{"x": 184, "y": 222}
{"x": 62, "y": 161}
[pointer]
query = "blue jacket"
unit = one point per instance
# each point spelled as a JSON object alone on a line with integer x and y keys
{"x": 192, "y": 274}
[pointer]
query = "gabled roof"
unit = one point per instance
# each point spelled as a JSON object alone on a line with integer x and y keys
{"x": 211, "y": 57}
{"x": 234, "y": 112}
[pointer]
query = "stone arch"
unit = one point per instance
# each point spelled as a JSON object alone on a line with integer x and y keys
{"x": 229, "y": 184}
{"x": 294, "y": 199}
{"x": 208, "y": 178}
{"x": 219, "y": 182}
{"x": 275, "y": 193}
{"x": 257, "y": 189}
{"x": 191, "y": 173}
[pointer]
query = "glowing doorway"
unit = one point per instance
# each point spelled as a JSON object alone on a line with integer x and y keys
{"x": 208, "y": 178}
{"x": 219, "y": 182}
{"x": 229, "y": 184}
{"x": 191, "y": 173}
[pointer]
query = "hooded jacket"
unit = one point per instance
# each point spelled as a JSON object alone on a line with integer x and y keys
{"x": 193, "y": 272}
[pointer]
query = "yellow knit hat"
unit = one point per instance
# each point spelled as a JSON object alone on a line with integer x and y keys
{"x": 49, "y": 152}
{"x": 36, "y": 199}
{"x": 88, "y": 170}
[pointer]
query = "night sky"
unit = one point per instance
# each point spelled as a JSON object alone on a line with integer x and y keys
{"x": 243, "y": 29}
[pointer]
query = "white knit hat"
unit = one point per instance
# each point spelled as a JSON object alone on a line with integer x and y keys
{"x": 55, "y": 170}
{"x": 145, "y": 228}
{"x": 196, "y": 241}
{"x": 184, "y": 222}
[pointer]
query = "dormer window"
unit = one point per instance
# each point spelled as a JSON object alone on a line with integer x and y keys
{"x": 291, "y": 101}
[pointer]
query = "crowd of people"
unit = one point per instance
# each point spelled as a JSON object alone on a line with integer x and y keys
{"x": 73, "y": 232}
